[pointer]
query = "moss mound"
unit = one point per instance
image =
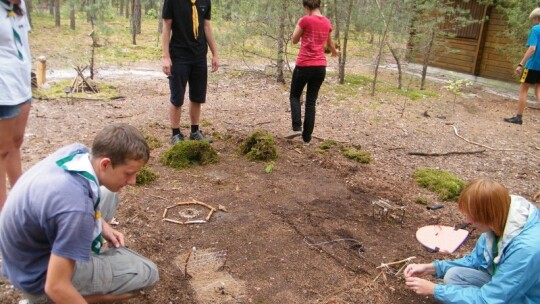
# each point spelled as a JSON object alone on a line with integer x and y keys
{"x": 189, "y": 152}
{"x": 441, "y": 182}
{"x": 146, "y": 175}
{"x": 362, "y": 157}
{"x": 153, "y": 142}
{"x": 259, "y": 146}
{"x": 328, "y": 144}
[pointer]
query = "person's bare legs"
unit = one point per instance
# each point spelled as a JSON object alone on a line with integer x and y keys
{"x": 11, "y": 139}
{"x": 523, "y": 93}
{"x": 174, "y": 116}
{"x": 194, "y": 112}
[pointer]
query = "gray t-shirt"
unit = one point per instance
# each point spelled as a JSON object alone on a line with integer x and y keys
{"x": 48, "y": 211}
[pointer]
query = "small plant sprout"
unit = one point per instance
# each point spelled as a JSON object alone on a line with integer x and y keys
{"x": 455, "y": 86}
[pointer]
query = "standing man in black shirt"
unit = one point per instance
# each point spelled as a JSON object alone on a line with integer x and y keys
{"x": 187, "y": 35}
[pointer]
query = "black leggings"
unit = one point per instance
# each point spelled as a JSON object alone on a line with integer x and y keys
{"x": 313, "y": 76}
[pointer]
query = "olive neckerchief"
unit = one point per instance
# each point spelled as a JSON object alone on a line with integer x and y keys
{"x": 495, "y": 252}
{"x": 8, "y": 6}
{"x": 195, "y": 17}
{"x": 79, "y": 163}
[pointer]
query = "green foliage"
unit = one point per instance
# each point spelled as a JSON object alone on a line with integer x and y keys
{"x": 259, "y": 145}
{"x": 146, "y": 175}
{"x": 152, "y": 14}
{"x": 190, "y": 152}
{"x": 441, "y": 182}
{"x": 360, "y": 156}
{"x": 421, "y": 201}
{"x": 328, "y": 144}
{"x": 413, "y": 94}
{"x": 205, "y": 123}
{"x": 270, "y": 166}
{"x": 152, "y": 142}
{"x": 455, "y": 85}
{"x": 517, "y": 27}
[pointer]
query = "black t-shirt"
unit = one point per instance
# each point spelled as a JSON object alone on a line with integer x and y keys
{"x": 183, "y": 45}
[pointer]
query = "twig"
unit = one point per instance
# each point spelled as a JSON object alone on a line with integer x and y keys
{"x": 172, "y": 221}
{"x": 385, "y": 265}
{"x": 186, "y": 274}
{"x": 446, "y": 153}
{"x": 490, "y": 148}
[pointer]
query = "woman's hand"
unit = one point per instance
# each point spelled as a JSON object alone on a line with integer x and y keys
{"x": 421, "y": 286}
{"x": 415, "y": 270}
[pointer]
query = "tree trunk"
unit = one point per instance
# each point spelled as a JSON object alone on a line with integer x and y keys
{"x": 395, "y": 54}
{"x": 51, "y": 7}
{"x": 57, "y": 13}
{"x": 136, "y": 5}
{"x": 427, "y": 54}
{"x": 29, "y": 10}
{"x": 72, "y": 14}
{"x": 128, "y": 10}
{"x": 137, "y": 13}
{"x": 121, "y": 8}
{"x": 160, "y": 18}
{"x": 343, "y": 60}
{"x": 382, "y": 42}
{"x": 337, "y": 38}
{"x": 281, "y": 43}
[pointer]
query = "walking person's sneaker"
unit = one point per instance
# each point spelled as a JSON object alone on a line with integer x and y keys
{"x": 177, "y": 138}
{"x": 514, "y": 120}
{"x": 293, "y": 134}
{"x": 306, "y": 143}
{"x": 199, "y": 136}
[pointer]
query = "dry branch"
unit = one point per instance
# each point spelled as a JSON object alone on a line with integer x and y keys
{"x": 446, "y": 153}
{"x": 491, "y": 148}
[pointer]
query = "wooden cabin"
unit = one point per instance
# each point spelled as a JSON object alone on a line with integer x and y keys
{"x": 476, "y": 49}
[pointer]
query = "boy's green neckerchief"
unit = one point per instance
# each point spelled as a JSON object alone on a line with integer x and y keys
{"x": 79, "y": 163}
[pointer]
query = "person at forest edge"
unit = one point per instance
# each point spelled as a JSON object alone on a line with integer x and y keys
{"x": 502, "y": 267}
{"x": 52, "y": 228}
{"x": 184, "y": 59}
{"x": 15, "y": 88}
{"x": 313, "y": 30}
{"x": 529, "y": 68}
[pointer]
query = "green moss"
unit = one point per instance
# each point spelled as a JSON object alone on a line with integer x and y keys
{"x": 328, "y": 144}
{"x": 57, "y": 90}
{"x": 441, "y": 182}
{"x": 421, "y": 201}
{"x": 146, "y": 175}
{"x": 259, "y": 145}
{"x": 270, "y": 166}
{"x": 205, "y": 123}
{"x": 362, "y": 157}
{"x": 152, "y": 142}
{"x": 189, "y": 152}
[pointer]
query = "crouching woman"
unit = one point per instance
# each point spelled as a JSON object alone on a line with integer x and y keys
{"x": 503, "y": 266}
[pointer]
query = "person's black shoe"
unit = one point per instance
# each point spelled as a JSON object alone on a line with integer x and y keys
{"x": 514, "y": 120}
{"x": 177, "y": 138}
{"x": 199, "y": 136}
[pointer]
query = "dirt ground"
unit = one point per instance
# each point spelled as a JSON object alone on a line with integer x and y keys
{"x": 306, "y": 232}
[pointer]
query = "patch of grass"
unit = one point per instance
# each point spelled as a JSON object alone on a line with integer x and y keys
{"x": 270, "y": 167}
{"x": 205, "y": 123}
{"x": 152, "y": 142}
{"x": 146, "y": 175}
{"x": 328, "y": 144}
{"x": 412, "y": 94}
{"x": 441, "y": 182}
{"x": 57, "y": 90}
{"x": 259, "y": 145}
{"x": 358, "y": 80}
{"x": 360, "y": 156}
{"x": 421, "y": 201}
{"x": 190, "y": 152}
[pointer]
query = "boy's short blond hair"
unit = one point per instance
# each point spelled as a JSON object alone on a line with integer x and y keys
{"x": 535, "y": 14}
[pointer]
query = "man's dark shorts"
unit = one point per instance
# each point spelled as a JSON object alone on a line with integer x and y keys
{"x": 195, "y": 74}
{"x": 530, "y": 76}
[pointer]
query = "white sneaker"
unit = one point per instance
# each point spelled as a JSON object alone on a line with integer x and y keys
{"x": 293, "y": 134}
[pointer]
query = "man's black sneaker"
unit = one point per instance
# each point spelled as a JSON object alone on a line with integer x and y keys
{"x": 199, "y": 136}
{"x": 514, "y": 120}
{"x": 177, "y": 138}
